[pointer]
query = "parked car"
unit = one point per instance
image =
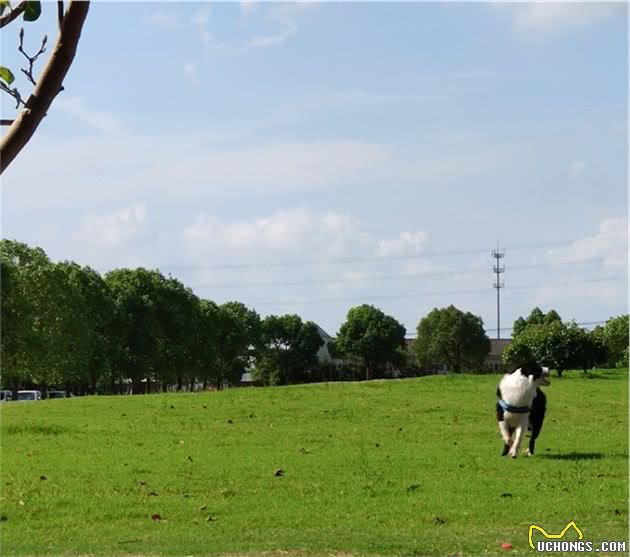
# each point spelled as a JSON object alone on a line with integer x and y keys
{"x": 27, "y": 396}
{"x": 56, "y": 394}
{"x": 6, "y": 395}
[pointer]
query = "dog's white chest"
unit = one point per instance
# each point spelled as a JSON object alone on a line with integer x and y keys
{"x": 517, "y": 390}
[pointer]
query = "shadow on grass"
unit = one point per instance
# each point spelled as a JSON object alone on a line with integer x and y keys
{"x": 574, "y": 456}
{"x": 604, "y": 377}
{"x": 43, "y": 429}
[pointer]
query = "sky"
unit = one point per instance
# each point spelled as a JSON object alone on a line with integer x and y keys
{"x": 306, "y": 158}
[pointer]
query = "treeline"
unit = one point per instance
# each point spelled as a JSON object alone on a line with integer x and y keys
{"x": 544, "y": 337}
{"x": 66, "y": 326}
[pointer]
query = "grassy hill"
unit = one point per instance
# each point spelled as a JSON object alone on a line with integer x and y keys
{"x": 408, "y": 467}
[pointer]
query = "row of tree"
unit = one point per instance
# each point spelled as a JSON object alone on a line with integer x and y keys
{"x": 67, "y": 326}
{"x": 544, "y": 337}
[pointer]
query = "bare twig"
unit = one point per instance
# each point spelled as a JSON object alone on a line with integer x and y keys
{"x": 31, "y": 59}
{"x": 6, "y": 122}
{"x": 60, "y": 12}
{"x": 49, "y": 84}
{"x": 14, "y": 13}
{"x": 14, "y": 93}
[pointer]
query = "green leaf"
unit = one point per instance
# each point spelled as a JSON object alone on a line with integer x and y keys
{"x": 6, "y": 75}
{"x": 32, "y": 11}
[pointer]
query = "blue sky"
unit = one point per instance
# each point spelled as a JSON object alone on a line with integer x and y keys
{"x": 218, "y": 141}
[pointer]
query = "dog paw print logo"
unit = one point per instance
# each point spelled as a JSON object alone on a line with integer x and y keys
{"x": 559, "y": 536}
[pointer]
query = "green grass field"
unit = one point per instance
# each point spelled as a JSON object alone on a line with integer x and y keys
{"x": 406, "y": 467}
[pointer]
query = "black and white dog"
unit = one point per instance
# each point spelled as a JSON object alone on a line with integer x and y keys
{"x": 521, "y": 403}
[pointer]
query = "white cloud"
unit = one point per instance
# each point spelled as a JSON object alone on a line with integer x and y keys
{"x": 266, "y": 41}
{"x": 588, "y": 285}
{"x": 413, "y": 249}
{"x": 286, "y": 10}
{"x": 407, "y": 243}
{"x": 282, "y": 15}
{"x": 201, "y": 17}
{"x": 112, "y": 229}
{"x": 283, "y": 167}
{"x": 602, "y": 295}
{"x": 295, "y": 231}
{"x": 577, "y": 168}
{"x": 165, "y": 19}
{"x": 550, "y": 17}
{"x": 286, "y": 15}
{"x": 190, "y": 70}
{"x": 300, "y": 234}
{"x": 101, "y": 121}
{"x": 357, "y": 97}
{"x": 467, "y": 75}
{"x": 248, "y": 7}
{"x": 126, "y": 167}
{"x": 211, "y": 45}
{"x": 610, "y": 244}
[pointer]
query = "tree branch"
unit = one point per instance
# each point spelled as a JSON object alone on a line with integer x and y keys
{"x": 60, "y": 13}
{"x": 49, "y": 86}
{"x": 31, "y": 59}
{"x": 13, "y": 14}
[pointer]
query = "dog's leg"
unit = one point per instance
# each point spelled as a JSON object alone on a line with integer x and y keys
{"x": 532, "y": 441}
{"x": 505, "y": 434}
{"x": 517, "y": 442}
{"x": 518, "y": 437}
{"x": 503, "y": 428}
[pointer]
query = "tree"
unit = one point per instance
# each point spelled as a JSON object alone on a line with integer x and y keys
{"x": 177, "y": 315}
{"x": 540, "y": 343}
{"x": 38, "y": 351}
{"x": 206, "y": 342}
{"x": 614, "y": 335}
{"x": 551, "y": 316}
{"x": 50, "y": 82}
{"x": 159, "y": 323}
{"x": 452, "y": 338}
{"x": 237, "y": 341}
{"x": 584, "y": 348}
{"x": 289, "y": 353}
{"x": 83, "y": 351}
{"x": 623, "y": 362}
{"x": 536, "y": 317}
{"x": 556, "y": 344}
{"x": 371, "y": 337}
{"x": 100, "y": 309}
{"x": 16, "y": 320}
{"x": 135, "y": 292}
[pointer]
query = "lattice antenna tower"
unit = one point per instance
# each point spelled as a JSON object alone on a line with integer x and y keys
{"x": 498, "y": 254}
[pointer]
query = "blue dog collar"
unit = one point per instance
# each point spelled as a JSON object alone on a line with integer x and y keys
{"x": 514, "y": 409}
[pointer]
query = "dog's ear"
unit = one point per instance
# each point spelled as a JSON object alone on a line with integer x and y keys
{"x": 531, "y": 369}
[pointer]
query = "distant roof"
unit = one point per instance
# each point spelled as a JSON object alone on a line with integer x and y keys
{"x": 497, "y": 345}
{"x": 323, "y": 333}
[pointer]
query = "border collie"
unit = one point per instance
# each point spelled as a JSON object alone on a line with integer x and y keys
{"x": 521, "y": 403}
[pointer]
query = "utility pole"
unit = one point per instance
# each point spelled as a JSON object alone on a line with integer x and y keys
{"x": 498, "y": 269}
